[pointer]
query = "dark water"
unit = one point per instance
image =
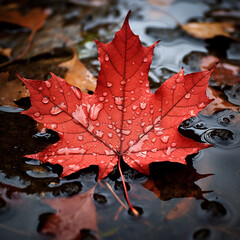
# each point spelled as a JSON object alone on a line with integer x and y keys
{"x": 198, "y": 201}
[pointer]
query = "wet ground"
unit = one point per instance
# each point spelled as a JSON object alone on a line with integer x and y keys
{"x": 197, "y": 201}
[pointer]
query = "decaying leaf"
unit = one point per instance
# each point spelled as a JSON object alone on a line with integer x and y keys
{"x": 73, "y": 215}
{"x": 219, "y": 103}
{"x": 33, "y": 20}
{"x": 209, "y": 29}
{"x": 5, "y": 52}
{"x": 224, "y": 73}
{"x": 11, "y": 91}
{"x": 78, "y": 75}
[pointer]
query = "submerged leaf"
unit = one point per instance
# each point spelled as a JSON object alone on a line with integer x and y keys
{"x": 73, "y": 215}
{"x": 78, "y": 75}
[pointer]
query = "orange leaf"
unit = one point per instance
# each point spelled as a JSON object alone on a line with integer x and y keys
{"x": 33, "y": 20}
{"x": 78, "y": 75}
{"x": 209, "y": 29}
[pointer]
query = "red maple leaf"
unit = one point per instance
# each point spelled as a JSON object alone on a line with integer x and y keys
{"x": 122, "y": 118}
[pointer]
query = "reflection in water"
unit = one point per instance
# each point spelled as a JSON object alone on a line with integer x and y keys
{"x": 222, "y": 129}
{"x": 204, "y": 211}
{"x": 173, "y": 180}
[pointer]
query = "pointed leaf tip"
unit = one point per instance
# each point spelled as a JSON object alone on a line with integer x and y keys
{"x": 127, "y": 17}
{"x": 156, "y": 43}
{"x": 212, "y": 68}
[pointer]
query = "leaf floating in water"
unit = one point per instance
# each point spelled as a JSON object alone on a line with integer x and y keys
{"x": 122, "y": 118}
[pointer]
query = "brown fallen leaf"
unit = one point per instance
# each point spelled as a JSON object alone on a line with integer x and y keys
{"x": 78, "y": 75}
{"x": 180, "y": 209}
{"x": 73, "y": 215}
{"x": 11, "y": 91}
{"x": 33, "y": 20}
{"x": 5, "y": 52}
{"x": 225, "y": 73}
{"x": 218, "y": 104}
{"x": 209, "y": 29}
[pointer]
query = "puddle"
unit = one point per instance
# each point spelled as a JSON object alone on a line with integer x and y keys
{"x": 199, "y": 200}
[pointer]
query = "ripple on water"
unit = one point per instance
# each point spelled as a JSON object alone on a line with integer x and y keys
{"x": 221, "y": 129}
{"x": 205, "y": 233}
{"x": 215, "y": 212}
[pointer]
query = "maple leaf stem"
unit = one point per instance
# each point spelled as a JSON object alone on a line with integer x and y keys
{"x": 135, "y": 212}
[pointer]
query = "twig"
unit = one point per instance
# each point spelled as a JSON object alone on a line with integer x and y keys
{"x": 115, "y": 195}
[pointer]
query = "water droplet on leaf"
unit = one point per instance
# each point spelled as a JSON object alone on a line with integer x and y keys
{"x": 201, "y": 105}
{"x": 126, "y": 132}
{"x": 109, "y": 84}
{"x": 118, "y": 100}
{"x": 37, "y": 114}
{"x": 164, "y": 139}
{"x": 45, "y": 100}
{"x": 99, "y": 133}
{"x": 188, "y": 95}
{"x": 95, "y": 110}
{"x": 55, "y": 110}
{"x": 80, "y": 138}
{"x": 134, "y": 107}
{"x": 48, "y": 84}
{"x": 80, "y": 115}
{"x": 76, "y": 92}
{"x": 143, "y": 105}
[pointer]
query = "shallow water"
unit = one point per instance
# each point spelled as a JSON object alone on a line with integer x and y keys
{"x": 196, "y": 201}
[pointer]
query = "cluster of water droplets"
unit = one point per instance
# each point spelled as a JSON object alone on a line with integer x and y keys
{"x": 85, "y": 112}
{"x": 57, "y": 108}
{"x": 142, "y": 115}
